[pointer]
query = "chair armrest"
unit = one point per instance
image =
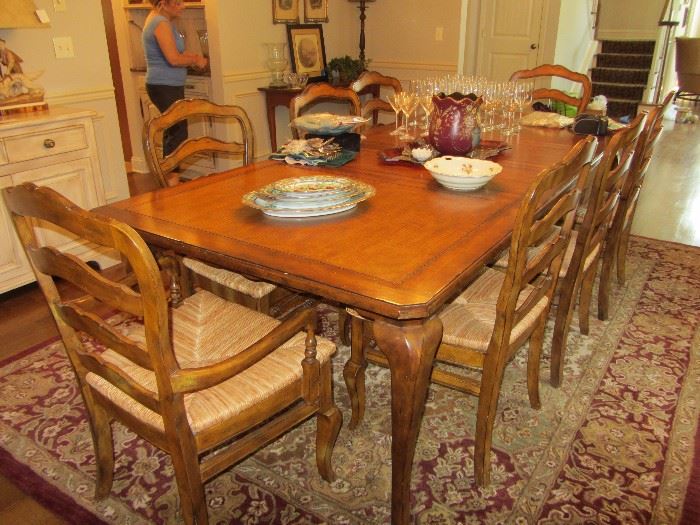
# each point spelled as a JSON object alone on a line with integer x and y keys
{"x": 187, "y": 380}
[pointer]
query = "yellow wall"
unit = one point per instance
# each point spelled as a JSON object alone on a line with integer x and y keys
{"x": 84, "y": 81}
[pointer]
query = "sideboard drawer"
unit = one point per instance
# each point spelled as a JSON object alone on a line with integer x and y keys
{"x": 45, "y": 143}
{"x": 3, "y": 155}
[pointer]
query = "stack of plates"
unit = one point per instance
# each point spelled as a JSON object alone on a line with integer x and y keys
{"x": 327, "y": 123}
{"x": 308, "y": 196}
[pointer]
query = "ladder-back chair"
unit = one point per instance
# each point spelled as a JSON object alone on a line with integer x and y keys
{"x": 230, "y": 285}
{"x": 487, "y": 323}
{"x": 208, "y": 375}
{"x": 615, "y": 254}
{"x": 549, "y": 70}
{"x": 589, "y": 239}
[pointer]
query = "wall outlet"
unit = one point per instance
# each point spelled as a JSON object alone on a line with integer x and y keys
{"x": 60, "y": 5}
{"x": 439, "y": 33}
{"x": 63, "y": 47}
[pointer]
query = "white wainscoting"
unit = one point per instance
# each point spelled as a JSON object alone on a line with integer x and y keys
{"x": 109, "y": 146}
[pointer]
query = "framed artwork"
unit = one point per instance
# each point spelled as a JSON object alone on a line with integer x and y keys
{"x": 307, "y": 50}
{"x": 285, "y": 11}
{"x": 316, "y": 10}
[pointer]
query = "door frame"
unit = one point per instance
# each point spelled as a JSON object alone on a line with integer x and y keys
{"x": 115, "y": 67}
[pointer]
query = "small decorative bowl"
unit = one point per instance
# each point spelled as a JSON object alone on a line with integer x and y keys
{"x": 422, "y": 154}
{"x": 462, "y": 174}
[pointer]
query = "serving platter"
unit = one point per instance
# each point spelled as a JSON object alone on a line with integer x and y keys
{"x": 309, "y": 196}
{"x": 327, "y": 123}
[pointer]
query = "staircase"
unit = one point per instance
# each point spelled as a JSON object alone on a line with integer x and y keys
{"x": 621, "y": 74}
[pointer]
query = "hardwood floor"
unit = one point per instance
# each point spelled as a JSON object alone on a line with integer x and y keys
{"x": 668, "y": 210}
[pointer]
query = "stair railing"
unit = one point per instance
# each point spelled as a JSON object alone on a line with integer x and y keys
{"x": 669, "y": 27}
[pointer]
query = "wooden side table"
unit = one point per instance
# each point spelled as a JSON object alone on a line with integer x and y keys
{"x": 282, "y": 96}
{"x": 276, "y": 97}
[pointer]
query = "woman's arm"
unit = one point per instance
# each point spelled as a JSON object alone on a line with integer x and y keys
{"x": 166, "y": 42}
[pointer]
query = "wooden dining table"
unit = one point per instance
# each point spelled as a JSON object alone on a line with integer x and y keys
{"x": 395, "y": 258}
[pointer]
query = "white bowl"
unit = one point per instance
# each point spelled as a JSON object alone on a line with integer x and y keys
{"x": 462, "y": 174}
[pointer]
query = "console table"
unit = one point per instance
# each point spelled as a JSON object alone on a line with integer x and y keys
{"x": 282, "y": 96}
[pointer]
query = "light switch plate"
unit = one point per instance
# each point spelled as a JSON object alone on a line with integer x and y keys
{"x": 63, "y": 47}
{"x": 42, "y": 16}
{"x": 60, "y": 5}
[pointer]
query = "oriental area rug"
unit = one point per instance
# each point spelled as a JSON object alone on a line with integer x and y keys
{"x": 614, "y": 444}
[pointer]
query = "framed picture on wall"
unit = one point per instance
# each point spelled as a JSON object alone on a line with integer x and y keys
{"x": 316, "y": 10}
{"x": 307, "y": 50}
{"x": 285, "y": 11}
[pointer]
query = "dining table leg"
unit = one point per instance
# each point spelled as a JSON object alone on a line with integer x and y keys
{"x": 410, "y": 348}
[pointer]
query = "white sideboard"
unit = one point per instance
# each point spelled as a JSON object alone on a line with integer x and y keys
{"x": 54, "y": 148}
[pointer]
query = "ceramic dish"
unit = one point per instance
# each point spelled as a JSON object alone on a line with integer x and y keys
{"x": 309, "y": 196}
{"x": 462, "y": 174}
{"x": 327, "y": 123}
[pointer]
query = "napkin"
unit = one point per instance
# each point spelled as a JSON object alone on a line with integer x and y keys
{"x": 544, "y": 119}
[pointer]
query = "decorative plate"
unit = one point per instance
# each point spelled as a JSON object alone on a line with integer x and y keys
{"x": 309, "y": 196}
{"x": 327, "y": 123}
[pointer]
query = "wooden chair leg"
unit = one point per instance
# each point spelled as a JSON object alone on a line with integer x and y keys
{"x": 354, "y": 371}
{"x": 533, "y": 362}
{"x": 482, "y": 444}
{"x": 328, "y": 423}
{"x": 189, "y": 480}
{"x": 491, "y": 380}
{"x": 183, "y": 488}
{"x": 606, "y": 268}
{"x": 101, "y": 430}
{"x": 621, "y": 259}
{"x": 565, "y": 309}
{"x": 343, "y": 325}
{"x": 584, "y": 301}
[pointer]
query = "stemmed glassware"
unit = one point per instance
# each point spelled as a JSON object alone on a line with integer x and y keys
{"x": 408, "y": 104}
{"x": 394, "y": 100}
{"x": 425, "y": 101}
{"x": 523, "y": 92}
{"x": 503, "y": 103}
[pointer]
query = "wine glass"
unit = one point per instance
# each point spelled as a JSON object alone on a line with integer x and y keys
{"x": 394, "y": 100}
{"x": 426, "y": 102}
{"x": 510, "y": 106}
{"x": 408, "y": 104}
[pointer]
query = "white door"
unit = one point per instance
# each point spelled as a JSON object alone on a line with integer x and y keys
{"x": 509, "y": 37}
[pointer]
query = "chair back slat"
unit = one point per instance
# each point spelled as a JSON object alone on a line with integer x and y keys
{"x": 374, "y": 78}
{"x": 199, "y": 145}
{"x": 188, "y": 109}
{"x": 98, "y": 329}
{"x": 67, "y": 266}
{"x": 553, "y": 70}
{"x": 537, "y": 246}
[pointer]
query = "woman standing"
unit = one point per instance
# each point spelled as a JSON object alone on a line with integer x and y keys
{"x": 167, "y": 63}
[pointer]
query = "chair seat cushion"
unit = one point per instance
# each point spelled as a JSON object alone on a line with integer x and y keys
{"x": 232, "y": 280}
{"x": 208, "y": 329}
{"x": 469, "y": 320}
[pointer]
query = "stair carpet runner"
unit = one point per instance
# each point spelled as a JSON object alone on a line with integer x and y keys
{"x": 621, "y": 74}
